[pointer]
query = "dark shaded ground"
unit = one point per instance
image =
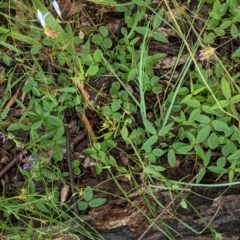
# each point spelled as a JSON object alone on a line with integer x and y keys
{"x": 221, "y": 214}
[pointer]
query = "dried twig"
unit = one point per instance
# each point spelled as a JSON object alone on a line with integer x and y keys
{"x": 9, "y": 166}
{"x": 70, "y": 170}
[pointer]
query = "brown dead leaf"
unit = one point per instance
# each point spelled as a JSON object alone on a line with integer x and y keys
{"x": 124, "y": 158}
{"x": 206, "y": 53}
{"x": 51, "y": 33}
{"x": 64, "y": 193}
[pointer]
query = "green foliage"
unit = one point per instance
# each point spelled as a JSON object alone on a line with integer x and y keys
{"x": 76, "y": 167}
{"x": 148, "y": 120}
{"x": 224, "y": 19}
{"x": 88, "y": 200}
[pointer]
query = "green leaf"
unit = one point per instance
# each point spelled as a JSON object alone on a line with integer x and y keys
{"x": 186, "y": 148}
{"x": 207, "y": 158}
{"x": 203, "y": 134}
{"x": 230, "y": 176}
{"x": 154, "y": 170}
{"x": 143, "y": 30}
{"x": 10, "y": 47}
{"x": 183, "y": 204}
{"x": 124, "y": 133}
{"x": 192, "y": 102}
{"x": 208, "y": 109}
{"x": 212, "y": 23}
{"x": 92, "y": 70}
{"x": 166, "y": 129}
{"x": 220, "y": 103}
{"x": 234, "y": 31}
{"x": 236, "y": 54}
{"x": 220, "y": 126}
{"x": 132, "y": 74}
{"x": 17, "y": 126}
{"x": 147, "y": 146}
{"x": 134, "y": 41}
{"x": 225, "y": 24}
{"x": 236, "y": 134}
{"x": 61, "y": 141}
{"x": 210, "y": 37}
{"x": 98, "y": 55}
{"x": 37, "y": 124}
{"x": 99, "y": 168}
{"x": 235, "y": 99}
{"x": 203, "y": 119}
{"x": 216, "y": 169}
{"x": 116, "y": 105}
{"x": 157, "y": 152}
{"x": 226, "y": 88}
{"x": 222, "y": 9}
{"x": 57, "y": 153}
{"x": 103, "y": 31}
{"x": 88, "y": 194}
{"x": 236, "y": 12}
{"x": 48, "y": 143}
{"x": 122, "y": 169}
{"x": 198, "y": 90}
{"x": 151, "y": 158}
{"x": 115, "y": 88}
{"x": 220, "y": 32}
{"x": 149, "y": 126}
{"x": 109, "y": 3}
{"x": 18, "y": 36}
{"x": 67, "y": 90}
{"x": 42, "y": 207}
{"x": 157, "y": 20}
{"x": 200, "y": 175}
{"x": 55, "y": 121}
{"x": 76, "y": 171}
{"x": 48, "y": 174}
{"x": 107, "y": 43}
{"x": 171, "y": 158}
{"x": 75, "y": 163}
{"x": 190, "y": 137}
{"x": 59, "y": 133}
{"x": 194, "y": 115}
{"x": 82, "y": 206}
{"x": 229, "y": 147}
{"x": 221, "y": 162}
{"x": 139, "y": 2}
{"x": 96, "y": 202}
{"x": 154, "y": 58}
{"x": 234, "y": 156}
{"x": 216, "y": 5}
{"x": 215, "y": 15}
{"x": 159, "y": 37}
{"x": 199, "y": 151}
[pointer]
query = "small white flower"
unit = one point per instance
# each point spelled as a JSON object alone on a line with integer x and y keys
{"x": 42, "y": 17}
{"x": 57, "y": 8}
